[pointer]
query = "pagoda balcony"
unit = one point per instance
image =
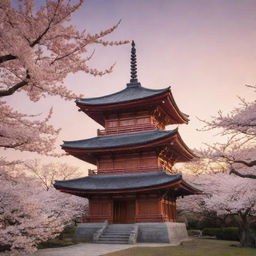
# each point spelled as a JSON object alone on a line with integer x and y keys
{"x": 127, "y": 129}
{"x": 124, "y": 171}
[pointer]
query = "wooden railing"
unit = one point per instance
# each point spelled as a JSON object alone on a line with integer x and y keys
{"x": 126, "y": 129}
{"x": 124, "y": 171}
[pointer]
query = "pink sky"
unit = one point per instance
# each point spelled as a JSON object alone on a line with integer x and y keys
{"x": 204, "y": 50}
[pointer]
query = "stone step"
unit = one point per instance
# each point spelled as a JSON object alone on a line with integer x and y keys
{"x": 117, "y": 232}
{"x": 112, "y": 242}
{"x": 114, "y": 238}
{"x": 115, "y": 235}
{"x": 119, "y": 229}
{"x": 114, "y": 228}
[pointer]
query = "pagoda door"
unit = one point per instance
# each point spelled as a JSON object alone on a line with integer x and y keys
{"x": 124, "y": 211}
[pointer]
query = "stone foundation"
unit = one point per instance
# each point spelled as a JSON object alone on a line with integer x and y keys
{"x": 85, "y": 231}
{"x": 162, "y": 232}
{"x": 156, "y": 232}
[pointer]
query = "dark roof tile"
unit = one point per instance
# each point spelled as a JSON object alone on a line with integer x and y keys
{"x": 130, "y": 93}
{"x": 117, "y": 182}
{"x": 120, "y": 140}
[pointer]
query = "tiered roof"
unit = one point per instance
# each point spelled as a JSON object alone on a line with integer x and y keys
{"x": 124, "y": 183}
{"x": 133, "y": 97}
{"x": 85, "y": 149}
{"x": 120, "y": 140}
{"x": 130, "y": 93}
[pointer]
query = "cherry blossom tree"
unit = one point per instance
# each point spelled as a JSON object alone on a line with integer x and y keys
{"x": 29, "y": 214}
{"x": 21, "y": 132}
{"x": 239, "y": 151}
{"x": 223, "y": 195}
{"x": 231, "y": 195}
{"x": 38, "y": 49}
{"x": 240, "y": 121}
{"x": 48, "y": 173}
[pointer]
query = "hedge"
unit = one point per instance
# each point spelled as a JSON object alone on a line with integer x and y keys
{"x": 230, "y": 233}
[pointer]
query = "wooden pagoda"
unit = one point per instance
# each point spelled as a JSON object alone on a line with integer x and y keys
{"x": 134, "y": 155}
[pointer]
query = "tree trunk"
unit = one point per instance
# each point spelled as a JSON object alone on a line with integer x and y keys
{"x": 247, "y": 238}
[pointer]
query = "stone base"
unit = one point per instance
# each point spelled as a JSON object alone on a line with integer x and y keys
{"x": 151, "y": 232}
{"x": 162, "y": 232}
{"x": 85, "y": 231}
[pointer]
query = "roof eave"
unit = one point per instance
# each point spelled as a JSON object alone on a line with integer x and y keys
{"x": 115, "y": 191}
{"x": 181, "y": 118}
{"x": 81, "y": 103}
{"x": 179, "y": 186}
{"x": 157, "y": 141}
{"x": 190, "y": 188}
{"x": 164, "y": 99}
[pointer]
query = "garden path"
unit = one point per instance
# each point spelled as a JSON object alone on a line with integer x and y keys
{"x": 90, "y": 249}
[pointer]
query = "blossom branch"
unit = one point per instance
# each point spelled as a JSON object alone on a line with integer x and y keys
{"x": 250, "y": 176}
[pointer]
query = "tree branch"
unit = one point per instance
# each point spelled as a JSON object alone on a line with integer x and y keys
{"x": 47, "y": 28}
{"x": 250, "y": 176}
{"x": 248, "y": 164}
{"x": 13, "y": 145}
{"x": 13, "y": 89}
{"x": 7, "y": 57}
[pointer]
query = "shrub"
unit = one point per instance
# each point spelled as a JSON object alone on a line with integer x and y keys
{"x": 193, "y": 224}
{"x": 229, "y": 233}
{"x": 210, "y": 231}
{"x": 194, "y": 232}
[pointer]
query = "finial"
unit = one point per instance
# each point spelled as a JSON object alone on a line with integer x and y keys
{"x": 133, "y": 64}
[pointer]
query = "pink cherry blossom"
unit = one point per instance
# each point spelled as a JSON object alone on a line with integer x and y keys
{"x": 30, "y": 214}
{"x": 39, "y": 47}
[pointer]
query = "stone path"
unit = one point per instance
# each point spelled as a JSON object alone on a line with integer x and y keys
{"x": 89, "y": 249}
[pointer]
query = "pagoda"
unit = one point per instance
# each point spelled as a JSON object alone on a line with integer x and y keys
{"x": 134, "y": 155}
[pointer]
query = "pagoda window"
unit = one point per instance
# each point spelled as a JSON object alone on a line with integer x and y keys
{"x": 127, "y": 122}
{"x": 144, "y": 120}
{"x": 111, "y": 124}
{"x": 131, "y": 162}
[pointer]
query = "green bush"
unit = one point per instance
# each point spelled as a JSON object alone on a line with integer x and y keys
{"x": 69, "y": 230}
{"x": 54, "y": 243}
{"x": 230, "y": 233}
{"x": 194, "y": 232}
{"x": 210, "y": 231}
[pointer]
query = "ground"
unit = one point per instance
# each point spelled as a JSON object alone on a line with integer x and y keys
{"x": 195, "y": 247}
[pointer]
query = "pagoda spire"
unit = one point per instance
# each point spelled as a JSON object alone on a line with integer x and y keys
{"x": 133, "y": 64}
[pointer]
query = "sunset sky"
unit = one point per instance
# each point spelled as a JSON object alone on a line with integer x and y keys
{"x": 204, "y": 50}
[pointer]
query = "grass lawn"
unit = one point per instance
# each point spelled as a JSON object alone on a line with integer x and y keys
{"x": 195, "y": 247}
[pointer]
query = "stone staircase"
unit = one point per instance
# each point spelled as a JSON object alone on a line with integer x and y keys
{"x": 116, "y": 234}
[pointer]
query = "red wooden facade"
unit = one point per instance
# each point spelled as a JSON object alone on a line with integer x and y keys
{"x": 142, "y": 207}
